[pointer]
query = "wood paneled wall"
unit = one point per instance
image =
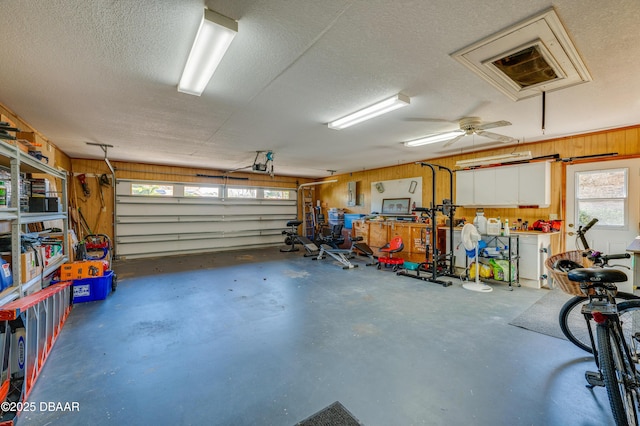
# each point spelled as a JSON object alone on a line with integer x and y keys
{"x": 57, "y": 158}
{"x": 624, "y": 141}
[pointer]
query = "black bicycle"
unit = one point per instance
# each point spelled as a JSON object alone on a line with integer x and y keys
{"x": 616, "y": 339}
{"x": 571, "y": 318}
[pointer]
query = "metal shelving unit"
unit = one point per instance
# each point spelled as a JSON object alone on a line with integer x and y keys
{"x": 512, "y": 244}
{"x": 30, "y": 317}
{"x": 18, "y": 162}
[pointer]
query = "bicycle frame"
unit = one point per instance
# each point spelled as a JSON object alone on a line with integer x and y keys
{"x": 603, "y": 310}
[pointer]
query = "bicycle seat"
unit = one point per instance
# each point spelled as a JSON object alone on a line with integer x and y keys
{"x": 597, "y": 275}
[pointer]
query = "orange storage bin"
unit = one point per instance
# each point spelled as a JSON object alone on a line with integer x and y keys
{"x": 82, "y": 269}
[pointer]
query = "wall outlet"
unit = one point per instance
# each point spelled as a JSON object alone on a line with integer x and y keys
{"x": 553, "y": 216}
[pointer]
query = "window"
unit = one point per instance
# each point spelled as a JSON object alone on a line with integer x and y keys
{"x": 149, "y": 189}
{"x": 242, "y": 193}
{"x": 602, "y": 194}
{"x": 274, "y": 194}
{"x": 201, "y": 191}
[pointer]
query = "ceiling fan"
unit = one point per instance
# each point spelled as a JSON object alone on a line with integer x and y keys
{"x": 468, "y": 126}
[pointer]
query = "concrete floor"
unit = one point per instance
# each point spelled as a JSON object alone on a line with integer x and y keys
{"x": 259, "y": 337}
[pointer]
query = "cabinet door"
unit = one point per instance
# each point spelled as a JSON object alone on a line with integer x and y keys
{"x": 534, "y": 250}
{"x": 496, "y": 186}
{"x": 378, "y": 234}
{"x": 484, "y": 183}
{"x": 464, "y": 188}
{"x": 360, "y": 228}
{"x": 420, "y": 238}
{"x": 506, "y": 186}
{"x": 535, "y": 184}
{"x": 403, "y": 231}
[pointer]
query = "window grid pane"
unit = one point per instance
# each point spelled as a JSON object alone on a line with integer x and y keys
{"x": 242, "y": 193}
{"x": 602, "y": 194}
{"x": 272, "y": 194}
{"x": 201, "y": 191}
{"x": 602, "y": 184}
{"x": 154, "y": 190}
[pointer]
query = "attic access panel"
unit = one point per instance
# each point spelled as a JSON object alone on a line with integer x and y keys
{"x": 530, "y": 57}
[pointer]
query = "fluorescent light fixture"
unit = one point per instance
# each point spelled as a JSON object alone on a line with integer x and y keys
{"x": 440, "y": 137}
{"x": 214, "y": 36}
{"x": 390, "y": 104}
{"x": 495, "y": 159}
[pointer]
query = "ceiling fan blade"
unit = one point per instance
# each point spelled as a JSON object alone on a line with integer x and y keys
{"x": 492, "y": 125}
{"x": 501, "y": 138}
{"x": 454, "y": 140}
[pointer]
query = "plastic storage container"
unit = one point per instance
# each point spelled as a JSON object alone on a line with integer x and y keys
{"x": 494, "y": 226}
{"x": 480, "y": 223}
{"x": 349, "y": 218}
{"x": 90, "y": 289}
{"x": 336, "y": 216}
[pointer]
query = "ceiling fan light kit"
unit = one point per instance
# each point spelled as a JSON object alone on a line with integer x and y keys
{"x": 468, "y": 126}
{"x": 382, "y": 107}
{"x": 438, "y": 137}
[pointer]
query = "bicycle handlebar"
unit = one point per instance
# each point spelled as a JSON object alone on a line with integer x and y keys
{"x": 589, "y": 225}
{"x": 583, "y": 230}
{"x": 603, "y": 259}
{"x": 616, "y": 256}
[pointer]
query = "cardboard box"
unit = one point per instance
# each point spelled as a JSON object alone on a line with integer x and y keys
{"x": 72, "y": 240}
{"x": 81, "y": 269}
{"x": 30, "y": 266}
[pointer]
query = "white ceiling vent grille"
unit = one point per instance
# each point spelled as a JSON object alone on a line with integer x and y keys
{"x": 533, "y": 56}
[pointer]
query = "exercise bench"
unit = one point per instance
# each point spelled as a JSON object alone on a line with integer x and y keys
{"x": 359, "y": 246}
{"x": 341, "y": 255}
{"x": 292, "y": 237}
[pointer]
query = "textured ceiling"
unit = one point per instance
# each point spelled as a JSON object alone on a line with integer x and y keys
{"x": 106, "y": 72}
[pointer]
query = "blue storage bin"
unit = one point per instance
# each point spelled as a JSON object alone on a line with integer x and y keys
{"x": 94, "y": 288}
{"x": 349, "y": 218}
{"x": 90, "y": 289}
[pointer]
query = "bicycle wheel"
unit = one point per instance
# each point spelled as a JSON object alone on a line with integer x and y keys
{"x": 629, "y": 313}
{"x": 573, "y": 324}
{"x": 618, "y": 374}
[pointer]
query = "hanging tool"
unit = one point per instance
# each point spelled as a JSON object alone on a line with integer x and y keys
{"x": 84, "y": 224}
{"x": 85, "y": 186}
{"x": 104, "y": 207}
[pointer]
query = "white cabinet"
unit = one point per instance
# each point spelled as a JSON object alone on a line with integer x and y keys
{"x": 465, "y": 187}
{"x": 534, "y": 184}
{"x": 534, "y": 250}
{"x": 506, "y": 186}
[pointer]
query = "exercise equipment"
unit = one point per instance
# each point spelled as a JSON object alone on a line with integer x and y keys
{"x": 341, "y": 255}
{"x": 440, "y": 264}
{"x": 292, "y": 238}
{"x": 358, "y": 246}
{"x": 331, "y": 236}
{"x": 394, "y": 246}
